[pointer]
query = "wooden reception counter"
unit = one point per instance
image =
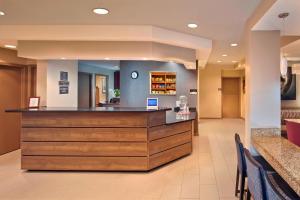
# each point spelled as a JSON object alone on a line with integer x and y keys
{"x": 109, "y": 139}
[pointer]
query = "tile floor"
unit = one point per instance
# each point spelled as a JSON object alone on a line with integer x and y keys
{"x": 207, "y": 174}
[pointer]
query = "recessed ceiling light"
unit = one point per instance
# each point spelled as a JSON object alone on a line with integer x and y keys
{"x": 10, "y": 46}
{"x": 234, "y": 44}
{"x": 192, "y": 25}
{"x": 219, "y": 61}
{"x": 224, "y": 55}
{"x": 100, "y": 11}
{"x": 107, "y": 58}
{"x": 145, "y": 58}
{"x": 234, "y": 61}
{"x": 2, "y": 13}
{"x": 63, "y": 58}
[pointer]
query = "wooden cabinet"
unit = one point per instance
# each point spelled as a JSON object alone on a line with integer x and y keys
{"x": 163, "y": 83}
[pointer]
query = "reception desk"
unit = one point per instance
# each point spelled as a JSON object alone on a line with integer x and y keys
{"x": 109, "y": 139}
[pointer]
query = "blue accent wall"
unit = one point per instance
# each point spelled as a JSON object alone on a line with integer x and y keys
{"x": 134, "y": 92}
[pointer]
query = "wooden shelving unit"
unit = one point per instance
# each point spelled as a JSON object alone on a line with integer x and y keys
{"x": 163, "y": 83}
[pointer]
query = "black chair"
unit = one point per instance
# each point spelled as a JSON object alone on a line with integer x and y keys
{"x": 256, "y": 187}
{"x": 277, "y": 188}
{"x": 242, "y": 167}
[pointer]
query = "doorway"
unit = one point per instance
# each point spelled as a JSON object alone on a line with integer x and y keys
{"x": 101, "y": 93}
{"x": 231, "y": 98}
{"x": 84, "y": 90}
{"x": 10, "y": 97}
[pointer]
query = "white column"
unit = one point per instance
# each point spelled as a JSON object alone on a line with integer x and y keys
{"x": 262, "y": 81}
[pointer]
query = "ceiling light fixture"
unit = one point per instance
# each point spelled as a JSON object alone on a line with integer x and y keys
{"x": 100, "y": 11}
{"x": 234, "y": 61}
{"x": 2, "y": 13}
{"x": 63, "y": 58}
{"x": 10, "y": 46}
{"x": 107, "y": 58}
{"x": 234, "y": 44}
{"x": 224, "y": 55}
{"x": 283, "y": 59}
{"x": 219, "y": 61}
{"x": 192, "y": 25}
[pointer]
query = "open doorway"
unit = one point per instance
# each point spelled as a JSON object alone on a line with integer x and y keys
{"x": 231, "y": 98}
{"x": 101, "y": 92}
{"x": 84, "y": 90}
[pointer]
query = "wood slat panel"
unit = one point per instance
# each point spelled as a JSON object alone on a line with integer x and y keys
{"x": 84, "y": 163}
{"x": 85, "y": 148}
{"x": 84, "y": 134}
{"x": 84, "y": 119}
{"x": 169, "y": 155}
{"x": 156, "y": 118}
{"x": 169, "y": 142}
{"x": 168, "y": 130}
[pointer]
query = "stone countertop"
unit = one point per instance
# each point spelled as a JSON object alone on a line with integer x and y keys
{"x": 293, "y": 120}
{"x": 94, "y": 109}
{"x": 283, "y": 156}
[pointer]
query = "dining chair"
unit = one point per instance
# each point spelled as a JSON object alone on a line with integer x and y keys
{"x": 277, "y": 188}
{"x": 242, "y": 167}
{"x": 255, "y": 181}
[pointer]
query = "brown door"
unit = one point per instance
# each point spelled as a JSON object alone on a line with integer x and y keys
{"x": 231, "y": 98}
{"x": 10, "y": 97}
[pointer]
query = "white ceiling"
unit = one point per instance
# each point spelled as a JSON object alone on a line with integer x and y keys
{"x": 270, "y": 20}
{"x": 223, "y": 21}
{"x": 292, "y": 51}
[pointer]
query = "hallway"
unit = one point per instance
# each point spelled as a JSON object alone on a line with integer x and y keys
{"x": 207, "y": 174}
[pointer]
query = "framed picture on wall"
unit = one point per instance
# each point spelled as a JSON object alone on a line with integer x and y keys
{"x": 34, "y": 102}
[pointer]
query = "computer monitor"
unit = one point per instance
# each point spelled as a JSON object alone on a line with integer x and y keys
{"x": 152, "y": 103}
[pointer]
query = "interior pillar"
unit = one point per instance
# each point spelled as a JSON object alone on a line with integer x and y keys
{"x": 262, "y": 81}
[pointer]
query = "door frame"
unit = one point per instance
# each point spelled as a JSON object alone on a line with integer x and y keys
{"x": 107, "y": 90}
{"x": 222, "y": 83}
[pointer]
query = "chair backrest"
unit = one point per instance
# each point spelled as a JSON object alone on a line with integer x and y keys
{"x": 274, "y": 191}
{"x": 240, "y": 154}
{"x": 255, "y": 180}
{"x": 293, "y": 132}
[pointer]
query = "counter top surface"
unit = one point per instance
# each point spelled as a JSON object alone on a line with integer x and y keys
{"x": 283, "y": 156}
{"x": 95, "y": 109}
{"x": 173, "y": 117}
{"x": 293, "y": 120}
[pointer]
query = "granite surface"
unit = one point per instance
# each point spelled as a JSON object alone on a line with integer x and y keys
{"x": 94, "y": 109}
{"x": 293, "y": 120}
{"x": 265, "y": 131}
{"x": 283, "y": 156}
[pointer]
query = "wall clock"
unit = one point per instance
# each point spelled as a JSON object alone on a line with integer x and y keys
{"x": 134, "y": 75}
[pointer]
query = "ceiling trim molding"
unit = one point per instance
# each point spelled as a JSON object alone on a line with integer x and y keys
{"x": 202, "y": 46}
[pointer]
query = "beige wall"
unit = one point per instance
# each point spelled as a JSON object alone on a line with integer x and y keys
{"x": 210, "y": 97}
{"x": 9, "y": 56}
{"x": 48, "y": 73}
